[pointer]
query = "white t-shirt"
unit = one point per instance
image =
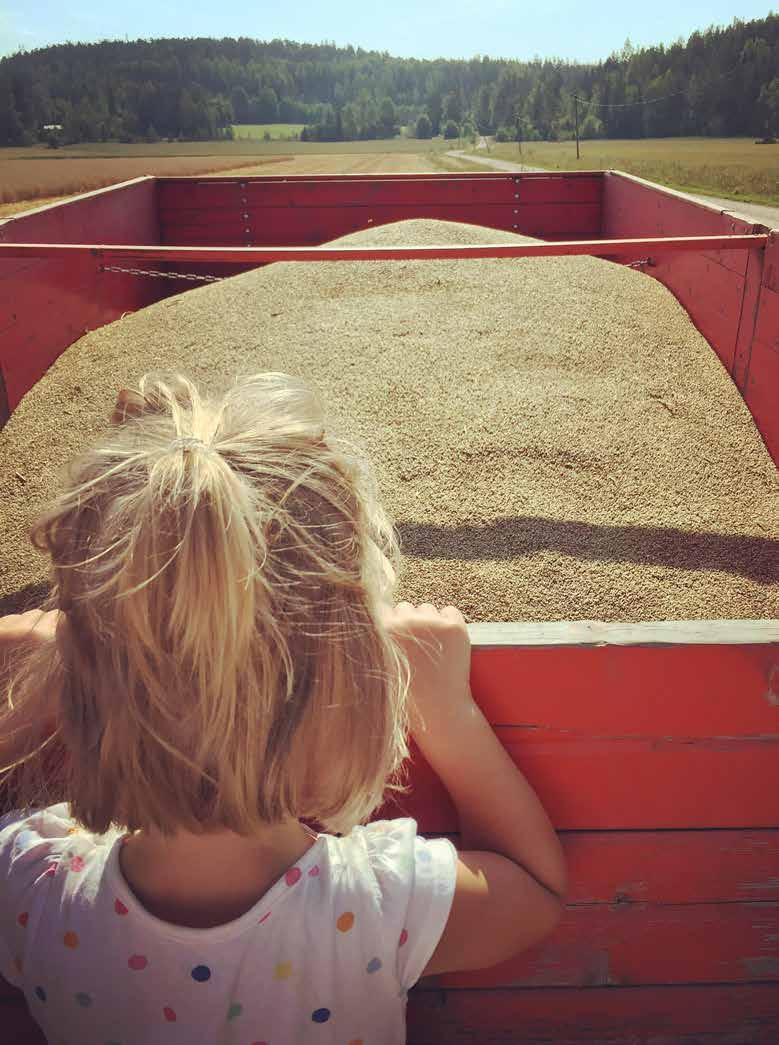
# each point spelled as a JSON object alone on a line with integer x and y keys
{"x": 326, "y": 956}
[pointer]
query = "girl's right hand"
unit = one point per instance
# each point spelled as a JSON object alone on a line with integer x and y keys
{"x": 438, "y": 648}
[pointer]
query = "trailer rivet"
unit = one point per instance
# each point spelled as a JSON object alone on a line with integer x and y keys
{"x": 516, "y": 195}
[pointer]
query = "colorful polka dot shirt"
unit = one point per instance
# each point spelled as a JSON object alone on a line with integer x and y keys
{"x": 326, "y": 956}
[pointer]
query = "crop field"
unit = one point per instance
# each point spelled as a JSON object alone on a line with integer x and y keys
{"x": 731, "y": 167}
{"x": 27, "y": 175}
{"x": 41, "y": 175}
{"x": 276, "y": 131}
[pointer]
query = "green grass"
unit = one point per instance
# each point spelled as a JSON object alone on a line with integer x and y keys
{"x": 277, "y": 131}
{"x": 734, "y": 168}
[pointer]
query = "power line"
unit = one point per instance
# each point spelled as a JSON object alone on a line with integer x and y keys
{"x": 642, "y": 101}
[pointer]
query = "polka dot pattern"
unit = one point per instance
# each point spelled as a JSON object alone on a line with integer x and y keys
{"x": 146, "y": 965}
{"x": 345, "y": 922}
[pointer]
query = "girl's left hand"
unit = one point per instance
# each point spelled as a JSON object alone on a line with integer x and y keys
{"x": 33, "y": 627}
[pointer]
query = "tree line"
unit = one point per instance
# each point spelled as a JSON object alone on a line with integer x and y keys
{"x": 723, "y": 81}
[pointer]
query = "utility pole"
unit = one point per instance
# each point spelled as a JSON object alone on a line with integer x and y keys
{"x": 576, "y": 121}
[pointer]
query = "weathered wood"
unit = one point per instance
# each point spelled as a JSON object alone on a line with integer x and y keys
{"x": 714, "y": 1014}
{"x": 598, "y": 633}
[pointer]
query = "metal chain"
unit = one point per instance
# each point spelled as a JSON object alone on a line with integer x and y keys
{"x": 192, "y": 277}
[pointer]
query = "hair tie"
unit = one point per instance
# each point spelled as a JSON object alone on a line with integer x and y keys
{"x": 189, "y": 442}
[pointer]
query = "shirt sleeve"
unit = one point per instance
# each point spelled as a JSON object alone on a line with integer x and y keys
{"x": 29, "y": 847}
{"x": 416, "y": 878}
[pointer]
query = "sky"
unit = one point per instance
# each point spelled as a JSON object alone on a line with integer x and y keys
{"x": 568, "y": 29}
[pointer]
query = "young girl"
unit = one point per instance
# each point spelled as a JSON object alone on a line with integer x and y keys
{"x": 220, "y": 668}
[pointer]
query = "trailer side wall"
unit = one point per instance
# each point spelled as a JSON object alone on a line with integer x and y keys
{"x": 731, "y": 296}
{"x": 47, "y": 304}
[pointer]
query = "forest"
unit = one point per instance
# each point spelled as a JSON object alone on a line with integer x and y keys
{"x": 721, "y": 82}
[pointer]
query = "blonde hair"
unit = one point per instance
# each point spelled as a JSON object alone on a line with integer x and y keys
{"x": 220, "y": 661}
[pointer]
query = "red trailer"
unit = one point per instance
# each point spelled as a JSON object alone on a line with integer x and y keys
{"x": 653, "y": 746}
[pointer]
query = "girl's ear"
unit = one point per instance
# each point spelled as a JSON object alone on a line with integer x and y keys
{"x": 129, "y": 405}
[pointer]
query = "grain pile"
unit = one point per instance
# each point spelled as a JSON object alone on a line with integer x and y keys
{"x": 553, "y": 437}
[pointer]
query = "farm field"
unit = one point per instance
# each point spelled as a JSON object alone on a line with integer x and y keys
{"x": 276, "y": 131}
{"x": 348, "y": 163}
{"x": 32, "y": 176}
{"x": 735, "y": 168}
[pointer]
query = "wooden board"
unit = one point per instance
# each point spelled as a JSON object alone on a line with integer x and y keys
{"x": 300, "y": 211}
{"x": 714, "y": 1014}
{"x": 181, "y": 194}
{"x": 651, "y": 734}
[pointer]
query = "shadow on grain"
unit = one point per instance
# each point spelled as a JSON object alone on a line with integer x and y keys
{"x": 28, "y": 598}
{"x": 516, "y": 537}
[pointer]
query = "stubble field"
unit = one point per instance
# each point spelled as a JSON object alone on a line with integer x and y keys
{"x": 733, "y": 167}
{"x": 42, "y": 174}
